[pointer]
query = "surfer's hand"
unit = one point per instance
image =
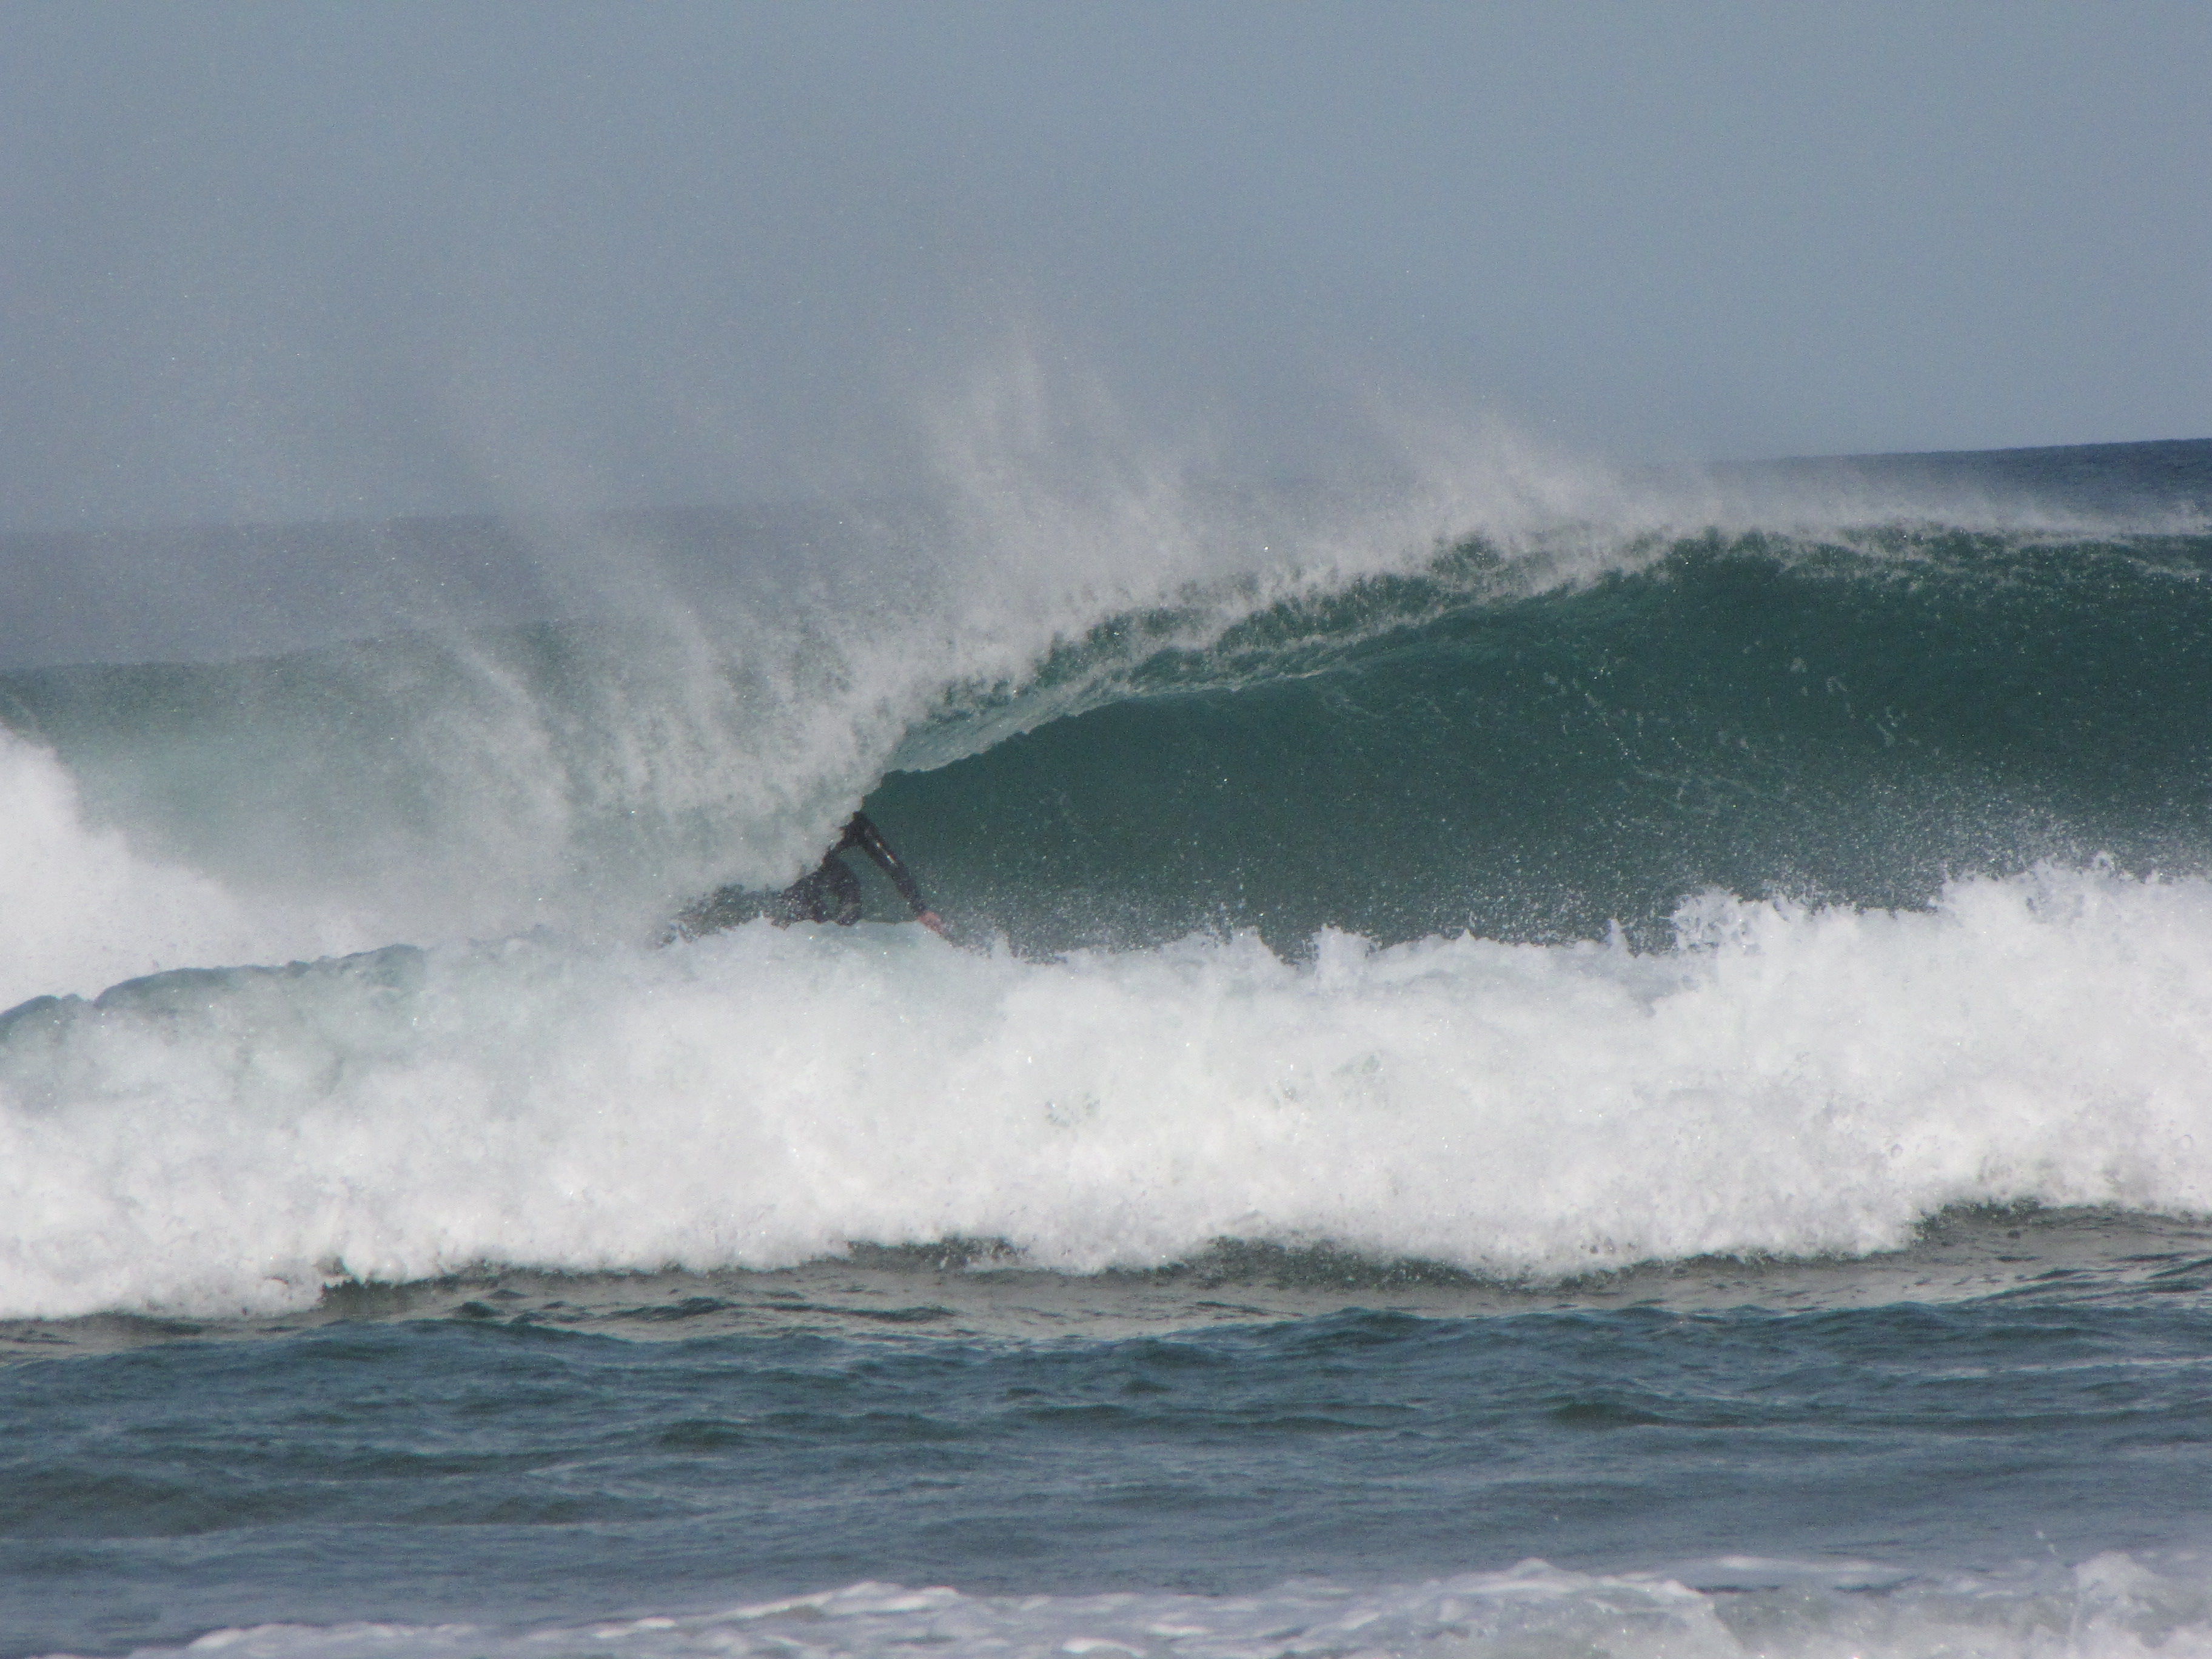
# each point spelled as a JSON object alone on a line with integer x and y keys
{"x": 935, "y": 923}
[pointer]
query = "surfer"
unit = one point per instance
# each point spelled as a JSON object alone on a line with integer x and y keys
{"x": 831, "y": 892}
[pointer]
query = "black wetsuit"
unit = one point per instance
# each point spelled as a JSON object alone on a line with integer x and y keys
{"x": 831, "y": 892}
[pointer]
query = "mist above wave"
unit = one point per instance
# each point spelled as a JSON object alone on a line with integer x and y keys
{"x": 700, "y": 697}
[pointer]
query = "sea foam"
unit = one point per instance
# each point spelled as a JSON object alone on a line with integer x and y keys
{"x": 1784, "y": 1080}
{"x": 2111, "y": 1607}
{"x": 84, "y": 908}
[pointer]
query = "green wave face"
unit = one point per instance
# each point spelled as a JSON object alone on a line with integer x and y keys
{"x": 1814, "y": 721}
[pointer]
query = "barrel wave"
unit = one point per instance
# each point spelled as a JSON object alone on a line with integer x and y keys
{"x": 1535, "y": 898}
{"x": 1831, "y": 721}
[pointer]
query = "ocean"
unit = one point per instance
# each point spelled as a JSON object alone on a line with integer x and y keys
{"x": 1534, "y": 1062}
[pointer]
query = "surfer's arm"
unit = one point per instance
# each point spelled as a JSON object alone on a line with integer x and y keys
{"x": 864, "y": 834}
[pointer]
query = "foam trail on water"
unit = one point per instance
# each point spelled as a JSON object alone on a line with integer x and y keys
{"x": 1787, "y": 1081}
{"x": 2114, "y": 1606}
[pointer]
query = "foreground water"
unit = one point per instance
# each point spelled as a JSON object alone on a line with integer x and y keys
{"x": 1622, "y": 1076}
{"x": 2001, "y": 1438}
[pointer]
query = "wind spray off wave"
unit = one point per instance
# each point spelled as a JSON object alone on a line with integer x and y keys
{"x": 720, "y": 699}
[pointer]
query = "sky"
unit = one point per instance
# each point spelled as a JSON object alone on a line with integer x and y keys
{"x": 265, "y": 261}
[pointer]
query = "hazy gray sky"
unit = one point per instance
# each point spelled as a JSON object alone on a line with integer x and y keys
{"x": 267, "y": 261}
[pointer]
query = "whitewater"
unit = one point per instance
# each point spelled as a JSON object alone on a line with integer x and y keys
{"x": 1477, "y": 1011}
{"x": 1784, "y": 1082}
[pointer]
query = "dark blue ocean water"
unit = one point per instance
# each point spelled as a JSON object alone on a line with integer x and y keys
{"x": 423, "y": 1472}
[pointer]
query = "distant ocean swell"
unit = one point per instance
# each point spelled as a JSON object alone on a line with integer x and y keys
{"x": 1737, "y": 892}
